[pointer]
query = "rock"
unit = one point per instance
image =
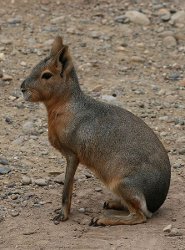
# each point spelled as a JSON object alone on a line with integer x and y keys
{"x": 2, "y": 56}
{"x": 3, "y": 161}
{"x": 41, "y": 182}
{"x": 178, "y": 165}
{"x": 137, "y": 17}
{"x": 137, "y": 59}
{"x": 167, "y": 229}
{"x": 108, "y": 98}
{"x": 97, "y": 88}
{"x": 7, "y": 77}
{"x": 98, "y": 189}
{"x": 166, "y": 17}
{"x": 178, "y": 17}
{"x": 6, "y": 41}
{"x": 182, "y": 150}
{"x": 8, "y": 120}
{"x": 60, "y": 179}
{"x": 164, "y": 14}
{"x": 50, "y": 29}
{"x": 15, "y": 20}
{"x": 12, "y": 98}
{"x": 23, "y": 63}
{"x": 174, "y": 76}
{"x": 14, "y": 213}
{"x": 81, "y": 210}
{"x": 180, "y": 36}
{"x": 166, "y": 33}
{"x": 71, "y": 30}
{"x": 59, "y": 19}
{"x": 162, "y": 92}
{"x": 28, "y": 127}
{"x": 179, "y": 121}
{"x": 121, "y": 19}
{"x": 88, "y": 175}
{"x": 26, "y": 180}
{"x": 30, "y": 231}
{"x": 95, "y": 34}
{"x": 4, "y": 170}
{"x": 163, "y": 133}
{"x": 14, "y": 196}
{"x": 169, "y": 42}
{"x": 175, "y": 232}
{"x": 1, "y": 73}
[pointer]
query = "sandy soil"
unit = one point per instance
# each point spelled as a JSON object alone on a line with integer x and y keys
{"x": 137, "y": 65}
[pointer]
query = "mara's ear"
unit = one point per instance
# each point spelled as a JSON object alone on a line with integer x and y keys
{"x": 56, "y": 46}
{"x": 64, "y": 62}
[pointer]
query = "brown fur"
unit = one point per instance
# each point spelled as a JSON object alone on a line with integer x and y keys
{"x": 116, "y": 145}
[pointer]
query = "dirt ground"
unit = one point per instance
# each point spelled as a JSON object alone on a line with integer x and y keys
{"x": 131, "y": 65}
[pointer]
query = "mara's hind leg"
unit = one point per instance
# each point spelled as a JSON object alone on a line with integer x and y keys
{"x": 114, "y": 204}
{"x": 135, "y": 203}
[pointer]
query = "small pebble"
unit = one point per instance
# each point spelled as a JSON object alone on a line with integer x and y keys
{"x": 4, "y": 170}
{"x": 175, "y": 232}
{"x": 26, "y": 180}
{"x": 182, "y": 151}
{"x": 178, "y": 17}
{"x": 81, "y": 210}
{"x": 60, "y": 179}
{"x": 23, "y": 63}
{"x": 7, "y": 77}
{"x": 137, "y": 17}
{"x": 2, "y": 56}
{"x": 15, "y": 20}
{"x": 3, "y": 161}
{"x": 170, "y": 42}
{"x": 12, "y": 98}
{"x": 98, "y": 189}
{"x": 6, "y": 41}
{"x": 41, "y": 182}
{"x": 166, "y": 17}
{"x": 108, "y": 98}
{"x": 98, "y": 88}
{"x": 8, "y": 120}
{"x": 14, "y": 213}
{"x": 28, "y": 127}
{"x": 137, "y": 59}
{"x": 14, "y": 196}
{"x": 167, "y": 229}
{"x": 178, "y": 165}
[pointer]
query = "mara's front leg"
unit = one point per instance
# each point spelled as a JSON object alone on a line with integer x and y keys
{"x": 72, "y": 163}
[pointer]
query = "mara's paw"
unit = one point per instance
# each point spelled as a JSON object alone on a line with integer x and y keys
{"x": 96, "y": 222}
{"x": 106, "y": 205}
{"x": 59, "y": 217}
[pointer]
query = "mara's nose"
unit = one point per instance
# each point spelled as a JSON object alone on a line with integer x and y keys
{"x": 23, "y": 86}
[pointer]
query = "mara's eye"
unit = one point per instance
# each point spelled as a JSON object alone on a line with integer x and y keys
{"x": 46, "y": 75}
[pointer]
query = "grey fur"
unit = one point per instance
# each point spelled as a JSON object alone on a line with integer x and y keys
{"x": 113, "y": 143}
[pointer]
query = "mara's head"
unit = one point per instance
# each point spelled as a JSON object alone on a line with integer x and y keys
{"x": 51, "y": 76}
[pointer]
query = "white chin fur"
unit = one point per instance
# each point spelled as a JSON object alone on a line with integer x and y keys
{"x": 26, "y": 96}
